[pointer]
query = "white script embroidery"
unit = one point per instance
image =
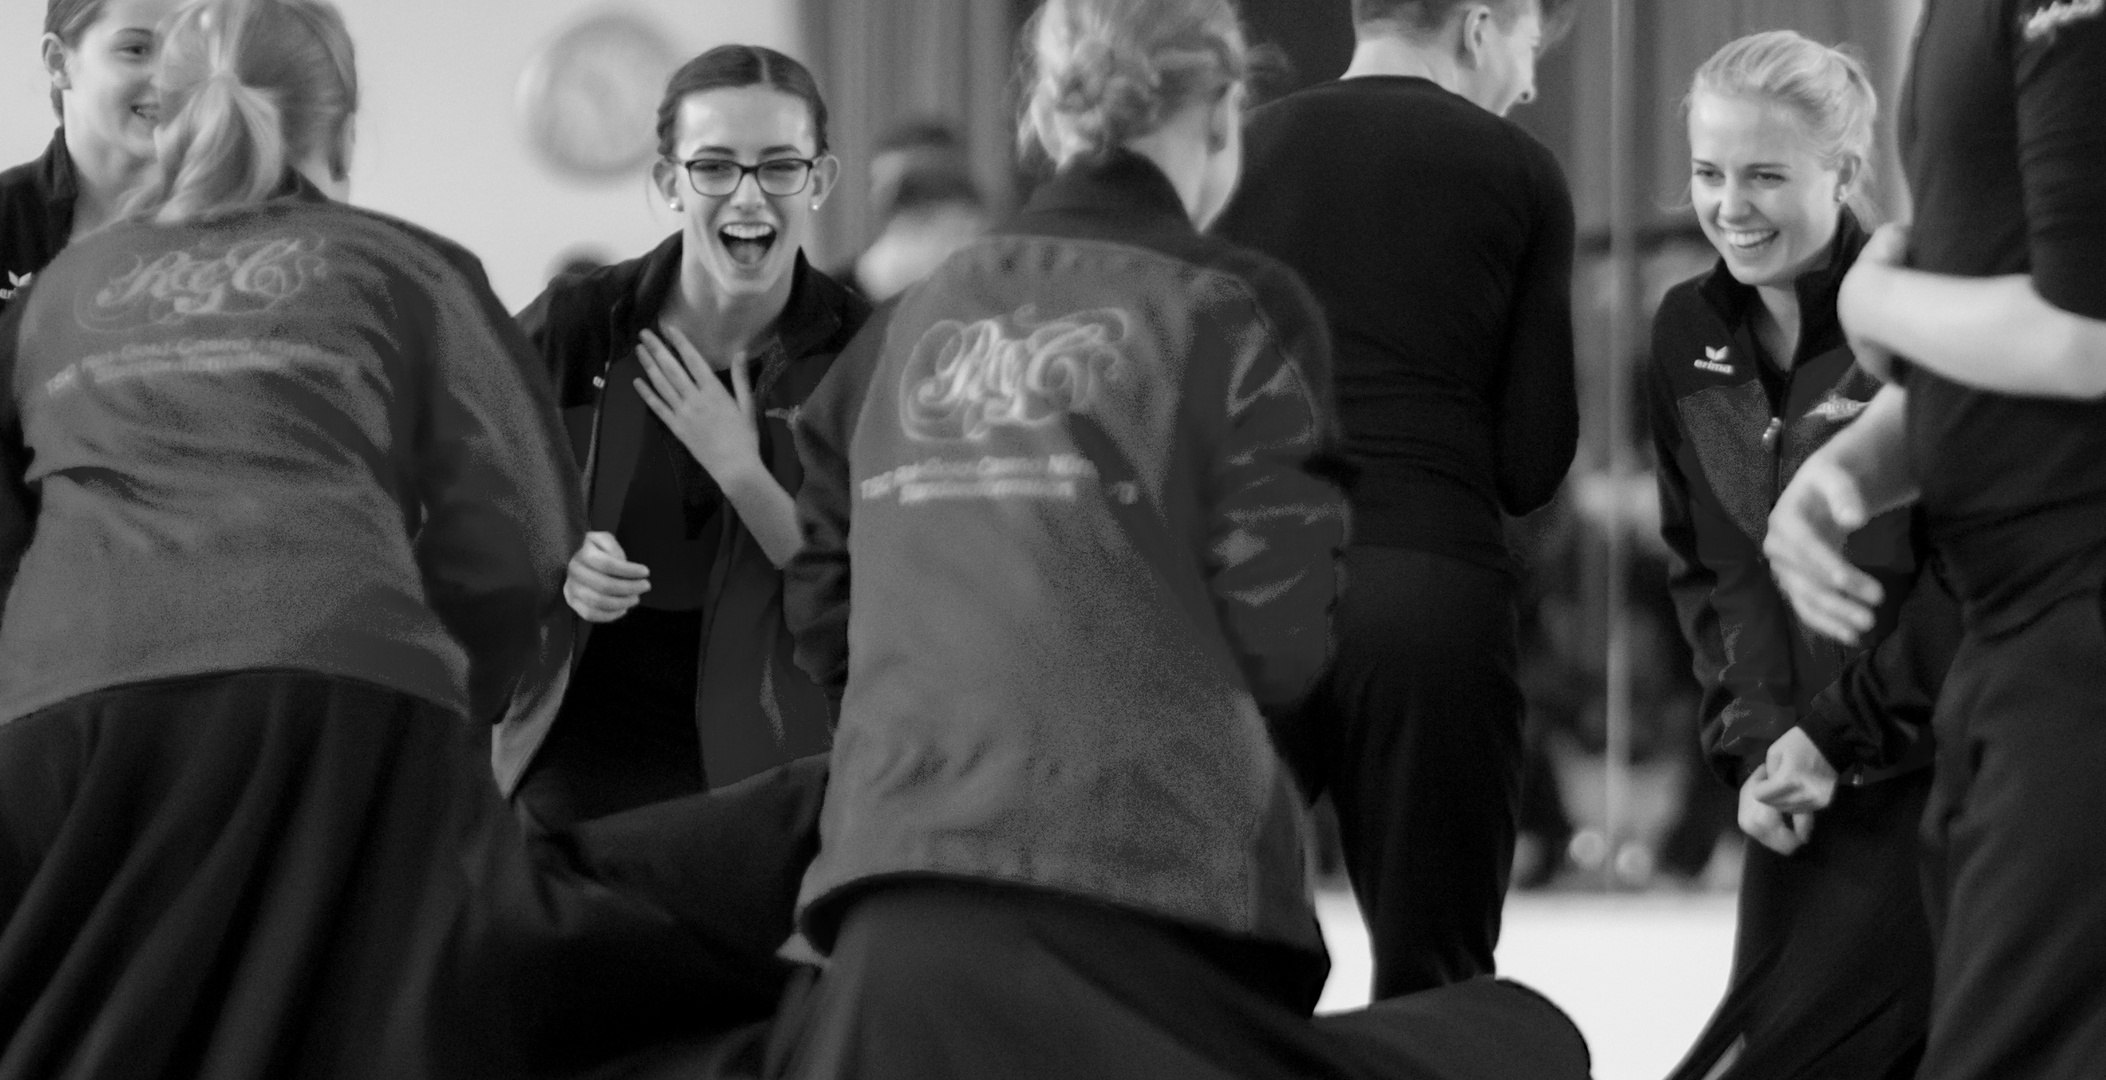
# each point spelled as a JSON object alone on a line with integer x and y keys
{"x": 247, "y": 278}
{"x": 1055, "y": 477}
{"x": 233, "y": 356}
{"x": 964, "y": 380}
{"x": 2055, "y": 16}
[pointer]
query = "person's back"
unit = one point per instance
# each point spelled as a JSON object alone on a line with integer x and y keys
{"x": 1057, "y": 429}
{"x": 1437, "y": 237}
{"x": 230, "y": 424}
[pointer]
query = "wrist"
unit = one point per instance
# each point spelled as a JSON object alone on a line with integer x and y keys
{"x": 744, "y": 474}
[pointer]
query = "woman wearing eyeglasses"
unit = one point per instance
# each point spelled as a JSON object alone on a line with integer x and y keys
{"x": 679, "y": 373}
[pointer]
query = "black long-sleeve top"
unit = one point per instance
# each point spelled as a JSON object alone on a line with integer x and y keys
{"x": 1730, "y": 429}
{"x": 1438, "y": 238}
{"x": 2003, "y": 131}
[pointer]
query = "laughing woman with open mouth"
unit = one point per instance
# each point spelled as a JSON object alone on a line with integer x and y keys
{"x": 679, "y": 373}
{"x": 99, "y": 57}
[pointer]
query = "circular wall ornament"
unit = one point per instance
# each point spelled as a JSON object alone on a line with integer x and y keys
{"x": 590, "y": 99}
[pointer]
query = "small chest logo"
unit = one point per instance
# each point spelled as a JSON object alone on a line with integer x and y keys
{"x": 1715, "y": 361}
{"x": 1836, "y": 409}
{"x": 15, "y": 283}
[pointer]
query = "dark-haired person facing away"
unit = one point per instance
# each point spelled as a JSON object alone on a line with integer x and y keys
{"x": 1438, "y": 238}
{"x": 98, "y": 56}
{"x": 1987, "y": 318}
{"x": 679, "y": 373}
{"x": 283, "y": 500}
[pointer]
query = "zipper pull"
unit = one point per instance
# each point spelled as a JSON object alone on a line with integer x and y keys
{"x": 1770, "y": 434}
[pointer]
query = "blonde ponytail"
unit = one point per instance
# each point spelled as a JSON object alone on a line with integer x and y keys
{"x": 250, "y": 89}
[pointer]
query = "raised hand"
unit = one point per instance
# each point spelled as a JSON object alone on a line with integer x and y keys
{"x": 1818, "y": 511}
{"x": 716, "y": 426}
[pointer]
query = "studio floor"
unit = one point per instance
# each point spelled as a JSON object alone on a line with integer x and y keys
{"x": 1639, "y": 972}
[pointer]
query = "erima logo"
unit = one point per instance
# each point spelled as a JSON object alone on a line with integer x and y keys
{"x": 15, "y": 284}
{"x": 2055, "y": 16}
{"x": 1714, "y": 360}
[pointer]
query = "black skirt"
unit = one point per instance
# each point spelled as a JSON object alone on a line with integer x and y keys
{"x": 958, "y": 981}
{"x": 1832, "y": 957}
{"x": 284, "y": 875}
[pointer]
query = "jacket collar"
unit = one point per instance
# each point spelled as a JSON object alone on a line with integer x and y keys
{"x": 1816, "y": 288}
{"x": 1121, "y": 183}
{"x": 813, "y": 316}
{"x": 58, "y": 182}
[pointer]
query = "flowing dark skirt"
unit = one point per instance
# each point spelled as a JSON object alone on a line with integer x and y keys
{"x": 1832, "y": 959}
{"x": 935, "y": 981}
{"x": 287, "y": 876}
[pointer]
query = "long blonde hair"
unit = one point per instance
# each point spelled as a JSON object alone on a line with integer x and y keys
{"x": 249, "y": 90}
{"x": 1101, "y": 72}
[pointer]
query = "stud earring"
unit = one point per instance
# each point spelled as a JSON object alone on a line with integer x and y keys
{"x": 675, "y": 204}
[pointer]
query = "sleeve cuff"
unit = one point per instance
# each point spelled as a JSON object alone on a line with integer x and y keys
{"x": 1831, "y": 737}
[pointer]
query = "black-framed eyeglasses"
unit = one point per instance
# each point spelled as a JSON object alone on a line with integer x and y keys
{"x": 718, "y": 177}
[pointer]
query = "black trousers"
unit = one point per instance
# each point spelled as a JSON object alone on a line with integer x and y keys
{"x": 625, "y": 736}
{"x": 1416, "y": 735}
{"x": 2017, "y": 837}
{"x": 935, "y": 980}
{"x": 1832, "y": 954}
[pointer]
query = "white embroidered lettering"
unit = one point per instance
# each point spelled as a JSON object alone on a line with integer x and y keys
{"x": 964, "y": 380}
{"x": 2055, "y": 16}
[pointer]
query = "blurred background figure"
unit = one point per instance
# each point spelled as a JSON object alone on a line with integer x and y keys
{"x": 926, "y": 204}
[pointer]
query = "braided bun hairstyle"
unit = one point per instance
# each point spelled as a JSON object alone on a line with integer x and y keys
{"x": 1102, "y": 72}
{"x": 250, "y": 89}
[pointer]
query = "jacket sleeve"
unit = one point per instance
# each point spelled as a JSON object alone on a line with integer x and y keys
{"x": 1538, "y": 426}
{"x": 1722, "y": 596}
{"x": 1277, "y": 521}
{"x": 1877, "y": 714}
{"x": 815, "y": 596}
{"x": 501, "y": 505}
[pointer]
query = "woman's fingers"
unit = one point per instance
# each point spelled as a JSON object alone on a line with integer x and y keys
{"x": 599, "y": 584}
{"x": 603, "y": 553}
{"x": 1794, "y": 545}
{"x": 691, "y": 358}
{"x": 593, "y": 607}
{"x": 666, "y": 374}
{"x": 1824, "y": 610}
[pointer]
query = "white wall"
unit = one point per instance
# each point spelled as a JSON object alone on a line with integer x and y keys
{"x": 439, "y": 138}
